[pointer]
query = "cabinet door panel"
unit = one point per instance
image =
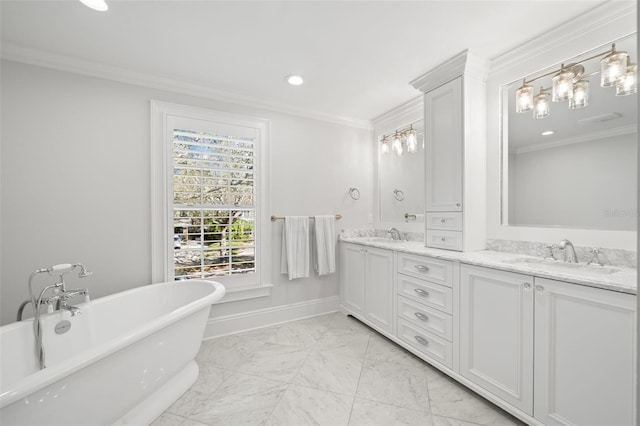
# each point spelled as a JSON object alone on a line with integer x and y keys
{"x": 352, "y": 281}
{"x": 443, "y": 143}
{"x": 379, "y": 288}
{"x": 496, "y": 333}
{"x": 585, "y": 340}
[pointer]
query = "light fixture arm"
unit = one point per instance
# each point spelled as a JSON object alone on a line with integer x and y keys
{"x": 573, "y": 64}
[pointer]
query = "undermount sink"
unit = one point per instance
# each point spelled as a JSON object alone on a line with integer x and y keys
{"x": 560, "y": 266}
{"x": 382, "y": 240}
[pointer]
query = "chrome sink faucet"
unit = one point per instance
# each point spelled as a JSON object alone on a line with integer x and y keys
{"x": 569, "y": 251}
{"x": 395, "y": 234}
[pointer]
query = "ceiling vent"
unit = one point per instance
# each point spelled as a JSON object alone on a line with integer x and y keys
{"x": 601, "y": 118}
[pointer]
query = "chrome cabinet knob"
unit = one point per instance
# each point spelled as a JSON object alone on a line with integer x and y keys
{"x": 442, "y": 221}
{"x": 527, "y": 286}
{"x": 421, "y": 268}
{"x": 458, "y": 204}
{"x": 539, "y": 288}
{"x": 443, "y": 239}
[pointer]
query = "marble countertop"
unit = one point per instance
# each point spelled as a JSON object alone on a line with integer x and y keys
{"x": 614, "y": 278}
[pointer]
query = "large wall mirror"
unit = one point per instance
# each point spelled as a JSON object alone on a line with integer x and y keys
{"x": 575, "y": 168}
{"x": 401, "y": 180}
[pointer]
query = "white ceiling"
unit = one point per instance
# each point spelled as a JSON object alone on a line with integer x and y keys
{"x": 357, "y": 57}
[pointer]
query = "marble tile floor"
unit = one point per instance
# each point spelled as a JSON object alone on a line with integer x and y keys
{"x": 327, "y": 370}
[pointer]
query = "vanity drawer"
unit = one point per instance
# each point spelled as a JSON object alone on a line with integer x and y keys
{"x": 427, "y": 319}
{"x": 427, "y": 268}
{"x": 445, "y": 220}
{"x": 426, "y": 293}
{"x": 426, "y": 343}
{"x": 448, "y": 240}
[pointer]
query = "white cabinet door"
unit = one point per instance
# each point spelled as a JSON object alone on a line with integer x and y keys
{"x": 379, "y": 288}
{"x": 352, "y": 277}
{"x": 585, "y": 367}
{"x": 443, "y": 142}
{"x": 496, "y": 333}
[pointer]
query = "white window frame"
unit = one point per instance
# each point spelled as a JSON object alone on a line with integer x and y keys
{"x": 162, "y": 249}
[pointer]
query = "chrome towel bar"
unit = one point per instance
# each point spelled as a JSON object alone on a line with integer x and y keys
{"x": 274, "y": 218}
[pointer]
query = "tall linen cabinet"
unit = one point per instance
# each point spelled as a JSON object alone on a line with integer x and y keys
{"x": 455, "y": 149}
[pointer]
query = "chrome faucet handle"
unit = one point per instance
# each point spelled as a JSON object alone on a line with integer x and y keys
{"x": 549, "y": 255}
{"x": 595, "y": 260}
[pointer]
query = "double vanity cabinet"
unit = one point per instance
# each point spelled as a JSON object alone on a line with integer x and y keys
{"x": 548, "y": 351}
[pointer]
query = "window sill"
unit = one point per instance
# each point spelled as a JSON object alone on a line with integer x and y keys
{"x": 235, "y": 294}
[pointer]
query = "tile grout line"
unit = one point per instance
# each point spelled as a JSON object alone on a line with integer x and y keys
{"x": 289, "y": 384}
{"x": 364, "y": 360}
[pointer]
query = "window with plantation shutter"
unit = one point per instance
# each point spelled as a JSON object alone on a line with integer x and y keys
{"x": 209, "y": 200}
{"x": 213, "y": 204}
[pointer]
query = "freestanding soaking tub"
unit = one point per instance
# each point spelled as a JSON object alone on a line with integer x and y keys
{"x": 124, "y": 360}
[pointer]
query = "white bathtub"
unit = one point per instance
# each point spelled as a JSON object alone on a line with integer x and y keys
{"x": 123, "y": 361}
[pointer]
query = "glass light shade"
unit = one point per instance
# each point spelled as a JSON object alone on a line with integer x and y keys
{"x": 541, "y": 105}
{"x": 562, "y": 86}
{"x": 384, "y": 146}
{"x": 580, "y": 95}
{"x": 524, "y": 98}
{"x": 628, "y": 83}
{"x": 612, "y": 67}
{"x": 412, "y": 141}
{"x": 397, "y": 145}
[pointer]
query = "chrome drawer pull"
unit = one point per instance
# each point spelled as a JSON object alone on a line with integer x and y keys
{"x": 421, "y": 316}
{"x": 421, "y": 340}
{"x": 442, "y": 221}
{"x": 421, "y": 268}
{"x": 443, "y": 239}
{"x": 421, "y": 292}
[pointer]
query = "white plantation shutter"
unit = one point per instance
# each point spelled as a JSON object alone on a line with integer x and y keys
{"x": 214, "y": 210}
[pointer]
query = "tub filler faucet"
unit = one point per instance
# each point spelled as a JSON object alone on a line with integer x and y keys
{"x": 59, "y": 299}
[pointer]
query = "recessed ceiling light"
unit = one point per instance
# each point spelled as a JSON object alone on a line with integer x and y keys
{"x": 295, "y": 80}
{"x": 99, "y": 5}
{"x": 548, "y": 132}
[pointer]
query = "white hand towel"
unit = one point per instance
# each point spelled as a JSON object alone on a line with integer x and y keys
{"x": 325, "y": 245}
{"x": 295, "y": 247}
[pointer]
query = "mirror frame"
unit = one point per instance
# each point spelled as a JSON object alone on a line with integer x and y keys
{"x": 506, "y": 110}
{"x": 602, "y": 24}
{"x": 398, "y": 118}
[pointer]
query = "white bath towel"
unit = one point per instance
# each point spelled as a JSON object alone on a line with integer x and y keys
{"x": 325, "y": 245}
{"x": 295, "y": 247}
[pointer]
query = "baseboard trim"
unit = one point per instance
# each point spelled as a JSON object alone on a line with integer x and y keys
{"x": 252, "y": 320}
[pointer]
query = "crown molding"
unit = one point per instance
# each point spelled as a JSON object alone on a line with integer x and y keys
{"x": 401, "y": 115}
{"x": 464, "y": 63}
{"x": 15, "y": 53}
{"x": 612, "y": 13}
{"x": 608, "y": 133}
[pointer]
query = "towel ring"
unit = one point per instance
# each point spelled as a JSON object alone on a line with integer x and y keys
{"x": 354, "y": 193}
{"x": 398, "y": 194}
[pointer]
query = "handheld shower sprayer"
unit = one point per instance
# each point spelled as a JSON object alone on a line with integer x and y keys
{"x": 60, "y": 297}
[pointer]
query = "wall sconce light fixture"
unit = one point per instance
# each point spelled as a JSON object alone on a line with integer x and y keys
{"x": 400, "y": 139}
{"x": 570, "y": 83}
